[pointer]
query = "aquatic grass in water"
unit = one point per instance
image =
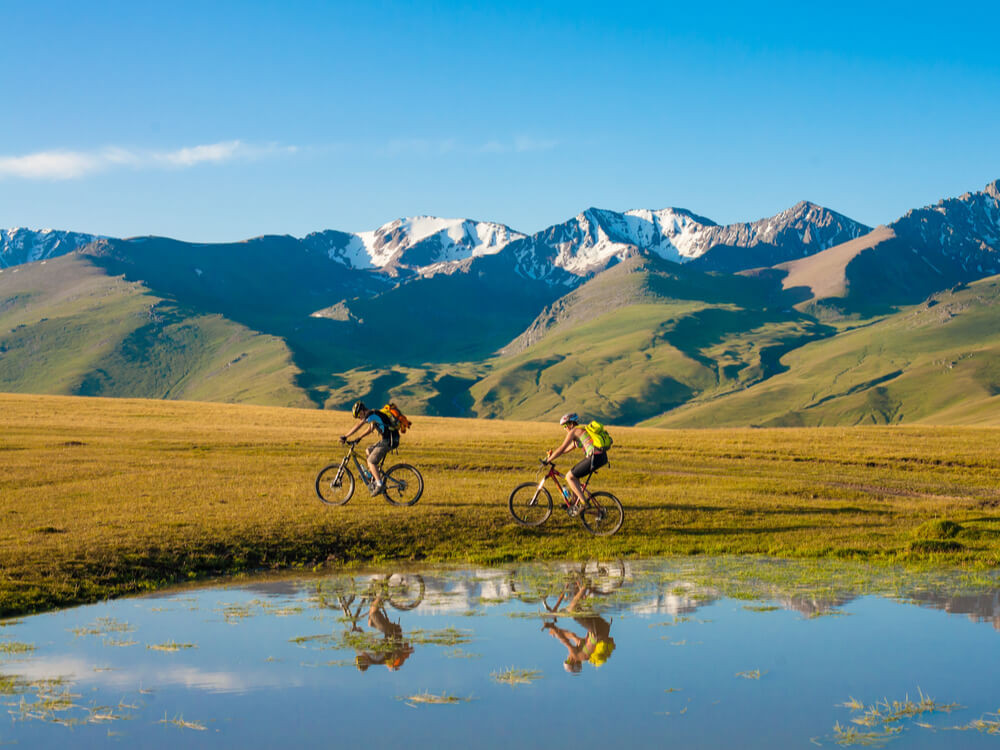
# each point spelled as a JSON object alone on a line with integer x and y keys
{"x": 884, "y": 719}
{"x": 181, "y": 723}
{"x": 15, "y": 647}
{"x": 428, "y": 698}
{"x": 170, "y": 646}
{"x": 514, "y": 677}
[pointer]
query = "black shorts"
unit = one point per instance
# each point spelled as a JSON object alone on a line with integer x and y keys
{"x": 593, "y": 462}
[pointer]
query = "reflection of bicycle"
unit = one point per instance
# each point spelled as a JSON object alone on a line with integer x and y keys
{"x": 531, "y": 504}
{"x": 335, "y": 483}
{"x": 595, "y": 578}
{"x": 401, "y": 591}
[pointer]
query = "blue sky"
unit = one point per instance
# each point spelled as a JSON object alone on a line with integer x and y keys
{"x": 226, "y": 120}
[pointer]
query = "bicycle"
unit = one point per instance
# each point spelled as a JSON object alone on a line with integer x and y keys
{"x": 403, "y": 484}
{"x": 531, "y": 504}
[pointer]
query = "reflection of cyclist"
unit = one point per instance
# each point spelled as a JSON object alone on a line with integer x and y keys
{"x": 375, "y": 420}
{"x": 594, "y": 647}
{"x": 594, "y": 458}
{"x": 393, "y": 651}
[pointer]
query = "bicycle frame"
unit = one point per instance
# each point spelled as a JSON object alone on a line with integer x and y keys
{"x": 554, "y": 476}
{"x": 351, "y": 453}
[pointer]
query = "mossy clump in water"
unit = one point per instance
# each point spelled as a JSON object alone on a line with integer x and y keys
{"x": 940, "y": 528}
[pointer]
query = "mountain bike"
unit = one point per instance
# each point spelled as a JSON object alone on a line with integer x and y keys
{"x": 335, "y": 483}
{"x": 531, "y": 504}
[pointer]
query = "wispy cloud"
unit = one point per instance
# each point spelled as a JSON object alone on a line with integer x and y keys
{"x": 70, "y": 165}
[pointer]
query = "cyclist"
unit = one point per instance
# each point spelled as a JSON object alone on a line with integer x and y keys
{"x": 389, "y": 440}
{"x": 594, "y": 458}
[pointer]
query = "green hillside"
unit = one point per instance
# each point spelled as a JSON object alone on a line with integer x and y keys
{"x": 68, "y": 327}
{"x": 667, "y": 335}
{"x": 935, "y": 363}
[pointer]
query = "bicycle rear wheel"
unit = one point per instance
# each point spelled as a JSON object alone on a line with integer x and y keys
{"x": 403, "y": 485}
{"x": 335, "y": 486}
{"x": 604, "y": 515}
{"x": 530, "y": 505}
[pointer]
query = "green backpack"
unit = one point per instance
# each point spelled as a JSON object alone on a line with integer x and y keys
{"x": 599, "y": 435}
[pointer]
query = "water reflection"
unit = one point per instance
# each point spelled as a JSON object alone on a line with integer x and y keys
{"x": 595, "y": 644}
{"x": 742, "y": 640}
{"x": 402, "y": 592}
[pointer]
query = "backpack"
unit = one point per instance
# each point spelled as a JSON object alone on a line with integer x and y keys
{"x": 394, "y": 419}
{"x": 599, "y": 435}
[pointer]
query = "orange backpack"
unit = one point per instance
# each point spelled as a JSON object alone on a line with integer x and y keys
{"x": 395, "y": 418}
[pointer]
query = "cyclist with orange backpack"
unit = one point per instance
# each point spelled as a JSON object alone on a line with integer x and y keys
{"x": 388, "y": 430}
{"x": 594, "y": 440}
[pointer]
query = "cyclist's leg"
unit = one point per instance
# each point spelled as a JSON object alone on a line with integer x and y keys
{"x": 595, "y": 462}
{"x": 376, "y": 453}
{"x": 573, "y": 476}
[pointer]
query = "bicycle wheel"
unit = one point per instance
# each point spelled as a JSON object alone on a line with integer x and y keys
{"x": 403, "y": 485}
{"x": 605, "y": 576}
{"x": 604, "y": 515}
{"x": 405, "y": 591}
{"x": 335, "y": 485}
{"x": 530, "y": 505}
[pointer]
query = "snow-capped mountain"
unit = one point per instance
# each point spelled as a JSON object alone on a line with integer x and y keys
{"x": 804, "y": 229}
{"x": 597, "y": 238}
{"x": 21, "y": 245}
{"x": 423, "y": 244}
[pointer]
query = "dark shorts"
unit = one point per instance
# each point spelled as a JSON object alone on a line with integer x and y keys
{"x": 591, "y": 463}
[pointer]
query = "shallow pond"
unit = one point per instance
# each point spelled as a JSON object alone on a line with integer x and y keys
{"x": 693, "y": 653}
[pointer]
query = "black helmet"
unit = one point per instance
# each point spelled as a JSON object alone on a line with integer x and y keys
{"x": 359, "y": 406}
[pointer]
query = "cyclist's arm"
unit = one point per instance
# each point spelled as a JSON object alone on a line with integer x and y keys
{"x": 567, "y": 445}
{"x": 358, "y": 426}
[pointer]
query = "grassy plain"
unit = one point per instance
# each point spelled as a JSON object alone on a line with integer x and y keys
{"x": 104, "y": 497}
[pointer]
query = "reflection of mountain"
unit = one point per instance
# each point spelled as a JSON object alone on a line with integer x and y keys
{"x": 984, "y": 607}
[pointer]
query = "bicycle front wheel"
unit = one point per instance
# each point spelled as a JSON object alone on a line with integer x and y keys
{"x": 604, "y": 515}
{"x": 530, "y": 505}
{"x": 403, "y": 485}
{"x": 335, "y": 485}
{"x": 405, "y": 591}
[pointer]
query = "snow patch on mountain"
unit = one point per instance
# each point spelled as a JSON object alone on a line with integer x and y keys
{"x": 20, "y": 245}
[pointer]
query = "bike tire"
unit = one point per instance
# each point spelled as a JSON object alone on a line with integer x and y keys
{"x": 604, "y": 515}
{"x": 403, "y": 485}
{"x": 405, "y": 591}
{"x": 530, "y": 505}
{"x": 332, "y": 491}
{"x": 605, "y": 576}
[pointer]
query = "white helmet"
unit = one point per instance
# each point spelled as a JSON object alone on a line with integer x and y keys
{"x": 571, "y": 417}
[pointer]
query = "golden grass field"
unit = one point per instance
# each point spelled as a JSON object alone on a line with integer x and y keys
{"x": 104, "y": 497}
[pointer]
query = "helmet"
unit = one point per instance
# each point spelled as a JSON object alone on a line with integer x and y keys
{"x": 571, "y": 417}
{"x": 359, "y": 406}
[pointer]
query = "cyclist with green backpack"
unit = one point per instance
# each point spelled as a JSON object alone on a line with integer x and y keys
{"x": 594, "y": 440}
{"x": 388, "y": 428}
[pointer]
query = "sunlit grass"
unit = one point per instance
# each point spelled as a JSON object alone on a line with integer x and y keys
{"x": 147, "y": 493}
